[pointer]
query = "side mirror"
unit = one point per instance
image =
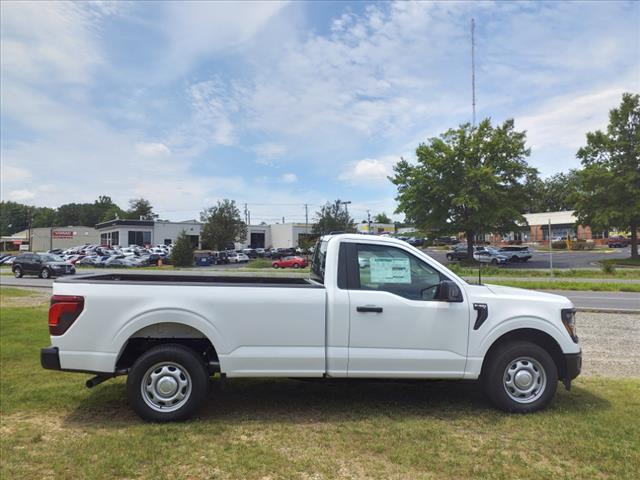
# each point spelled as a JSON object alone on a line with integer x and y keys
{"x": 449, "y": 291}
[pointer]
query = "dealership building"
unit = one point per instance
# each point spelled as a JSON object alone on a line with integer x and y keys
{"x": 125, "y": 232}
{"x": 49, "y": 238}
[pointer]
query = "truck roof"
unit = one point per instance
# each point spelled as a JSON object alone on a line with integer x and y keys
{"x": 361, "y": 237}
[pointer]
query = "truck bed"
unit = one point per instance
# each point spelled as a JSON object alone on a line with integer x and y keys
{"x": 173, "y": 279}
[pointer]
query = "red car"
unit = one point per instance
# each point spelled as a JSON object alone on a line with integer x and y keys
{"x": 295, "y": 262}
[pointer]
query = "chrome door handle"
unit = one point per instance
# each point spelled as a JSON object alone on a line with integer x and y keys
{"x": 369, "y": 309}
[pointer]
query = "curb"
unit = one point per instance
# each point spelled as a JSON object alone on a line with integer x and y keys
{"x": 608, "y": 310}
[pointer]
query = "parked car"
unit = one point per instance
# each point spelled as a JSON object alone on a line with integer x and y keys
{"x": 618, "y": 242}
{"x": 44, "y": 265}
{"x": 219, "y": 258}
{"x": 236, "y": 257}
{"x": 459, "y": 252}
{"x": 440, "y": 241}
{"x": 406, "y": 316}
{"x": 490, "y": 255}
{"x": 289, "y": 262}
{"x": 516, "y": 253}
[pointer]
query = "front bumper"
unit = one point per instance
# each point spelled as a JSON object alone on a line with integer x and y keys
{"x": 49, "y": 358}
{"x": 573, "y": 365}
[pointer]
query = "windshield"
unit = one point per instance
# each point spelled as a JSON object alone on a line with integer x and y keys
{"x": 47, "y": 257}
{"x": 319, "y": 261}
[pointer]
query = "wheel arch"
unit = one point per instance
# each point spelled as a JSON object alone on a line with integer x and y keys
{"x": 166, "y": 326}
{"x": 533, "y": 335}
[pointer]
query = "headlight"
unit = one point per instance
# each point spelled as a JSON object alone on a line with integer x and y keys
{"x": 569, "y": 321}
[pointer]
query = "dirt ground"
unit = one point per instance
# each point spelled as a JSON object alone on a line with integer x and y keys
{"x": 610, "y": 344}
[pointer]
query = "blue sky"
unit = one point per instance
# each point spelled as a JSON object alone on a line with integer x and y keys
{"x": 284, "y": 104}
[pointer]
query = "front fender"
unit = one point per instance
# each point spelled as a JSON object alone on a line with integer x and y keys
{"x": 521, "y": 322}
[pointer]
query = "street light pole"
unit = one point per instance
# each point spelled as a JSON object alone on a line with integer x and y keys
{"x": 346, "y": 210}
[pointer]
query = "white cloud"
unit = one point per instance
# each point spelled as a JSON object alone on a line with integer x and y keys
{"x": 268, "y": 153}
{"x": 289, "y": 178}
{"x": 152, "y": 149}
{"x": 12, "y": 174}
{"x": 21, "y": 195}
{"x": 196, "y": 30}
{"x": 214, "y": 106}
{"x": 564, "y": 120}
{"x": 50, "y": 41}
{"x": 370, "y": 170}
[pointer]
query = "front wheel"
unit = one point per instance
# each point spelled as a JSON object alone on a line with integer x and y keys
{"x": 167, "y": 383}
{"x": 296, "y": 266}
{"x": 17, "y": 272}
{"x": 45, "y": 273}
{"x": 494, "y": 262}
{"x": 520, "y": 377}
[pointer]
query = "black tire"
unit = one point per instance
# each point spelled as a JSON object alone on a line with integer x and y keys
{"x": 275, "y": 266}
{"x": 494, "y": 261}
{"x": 45, "y": 273}
{"x": 494, "y": 376}
{"x": 17, "y": 272}
{"x": 176, "y": 355}
{"x": 449, "y": 257}
{"x": 296, "y": 266}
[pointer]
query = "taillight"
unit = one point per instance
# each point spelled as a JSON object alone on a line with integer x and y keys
{"x": 63, "y": 312}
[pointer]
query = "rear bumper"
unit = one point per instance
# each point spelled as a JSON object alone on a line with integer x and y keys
{"x": 573, "y": 365}
{"x": 50, "y": 358}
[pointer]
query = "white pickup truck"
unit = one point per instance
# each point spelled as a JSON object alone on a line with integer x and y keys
{"x": 372, "y": 308}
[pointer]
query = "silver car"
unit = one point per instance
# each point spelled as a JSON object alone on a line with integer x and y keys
{"x": 490, "y": 255}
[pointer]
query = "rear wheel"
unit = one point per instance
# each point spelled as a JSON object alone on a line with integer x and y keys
{"x": 520, "y": 377}
{"x": 275, "y": 265}
{"x": 449, "y": 257}
{"x": 167, "y": 383}
{"x": 494, "y": 261}
{"x": 17, "y": 272}
{"x": 295, "y": 265}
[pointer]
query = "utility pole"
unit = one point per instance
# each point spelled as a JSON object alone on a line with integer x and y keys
{"x": 306, "y": 218}
{"x": 473, "y": 69}
{"x": 550, "y": 252}
{"x": 369, "y": 221}
{"x": 346, "y": 209}
{"x": 246, "y": 220}
{"x": 249, "y": 217}
{"x": 283, "y": 220}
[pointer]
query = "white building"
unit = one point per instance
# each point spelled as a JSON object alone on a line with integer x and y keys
{"x": 278, "y": 235}
{"x": 147, "y": 232}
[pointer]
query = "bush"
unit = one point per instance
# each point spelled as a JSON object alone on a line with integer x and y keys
{"x": 582, "y": 245}
{"x": 608, "y": 268}
{"x": 182, "y": 252}
{"x": 559, "y": 245}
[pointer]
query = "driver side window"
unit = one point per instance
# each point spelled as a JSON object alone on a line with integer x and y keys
{"x": 393, "y": 270}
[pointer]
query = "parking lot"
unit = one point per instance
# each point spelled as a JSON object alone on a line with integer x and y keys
{"x": 561, "y": 258}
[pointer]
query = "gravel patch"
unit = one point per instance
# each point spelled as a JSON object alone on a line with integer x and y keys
{"x": 610, "y": 344}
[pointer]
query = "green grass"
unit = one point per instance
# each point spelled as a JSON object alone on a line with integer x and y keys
{"x": 565, "y": 273}
{"x": 53, "y": 427}
{"x": 16, "y": 292}
{"x": 627, "y": 262}
{"x": 567, "y": 285}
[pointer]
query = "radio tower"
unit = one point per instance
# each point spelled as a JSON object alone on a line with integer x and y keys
{"x": 473, "y": 69}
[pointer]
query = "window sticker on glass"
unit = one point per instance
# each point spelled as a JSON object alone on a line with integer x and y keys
{"x": 390, "y": 270}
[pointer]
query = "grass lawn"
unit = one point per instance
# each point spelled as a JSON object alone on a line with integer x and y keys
{"x": 53, "y": 427}
{"x": 566, "y": 285}
{"x": 627, "y": 262}
{"x": 622, "y": 273}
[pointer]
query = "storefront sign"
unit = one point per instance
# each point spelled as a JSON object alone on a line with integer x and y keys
{"x": 62, "y": 234}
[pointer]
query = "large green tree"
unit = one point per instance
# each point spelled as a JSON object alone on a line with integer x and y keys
{"x": 222, "y": 225}
{"x": 140, "y": 209}
{"x": 608, "y": 193}
{"x": 552, "y": 194}
{"x": 333, "y": 217}
{"x": 469, "y": 179}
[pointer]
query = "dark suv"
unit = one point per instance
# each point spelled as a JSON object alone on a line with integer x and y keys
{"x": 44, "y": 265}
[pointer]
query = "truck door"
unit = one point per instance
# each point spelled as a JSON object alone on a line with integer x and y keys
{"x": 397, "y": 327}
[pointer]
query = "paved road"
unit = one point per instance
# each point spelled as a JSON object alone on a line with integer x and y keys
{"x": 597, "y": 300}
{"x": 561, "y": 259}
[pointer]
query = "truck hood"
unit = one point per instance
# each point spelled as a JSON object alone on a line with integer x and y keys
{"x": 523, "y": 294}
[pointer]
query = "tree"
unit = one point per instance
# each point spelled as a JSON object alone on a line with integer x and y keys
{"x": 14, "y": 217}
{"x": 382, "y": 218}
{"x": 140, "y": 209}
{"x": 222, "y": 225}
{"x": 608, "y": 194}
{"x": 552, "y": 194}
{"x": 470, "y": 179}
{"x": 182, "y": 251}
{"x": 333, "y": 217}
